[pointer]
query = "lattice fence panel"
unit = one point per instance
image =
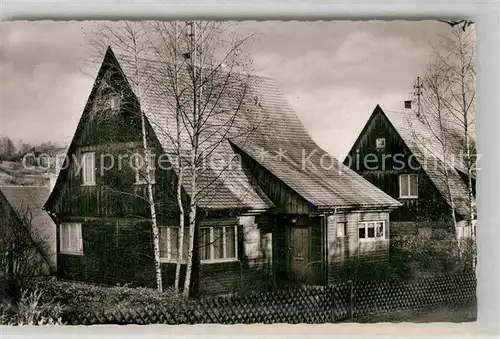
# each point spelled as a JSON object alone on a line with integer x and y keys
{"x": 306, "y": 304}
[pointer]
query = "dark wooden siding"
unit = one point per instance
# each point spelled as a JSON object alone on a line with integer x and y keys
{"x": 115, "y": 193}
{"x": 383, "y": 167}
{"x": 120, "y": 251}
{"x": 114, "y": 251}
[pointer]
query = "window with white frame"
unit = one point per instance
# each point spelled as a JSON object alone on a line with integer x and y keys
{"x": 169, "y": 244}
{"x": 70, "y": 238}
{"x": 218, "y": 243}
{"x": 380, "y": 143}
{"x": 408, "y": 186}
{"x": 371, "y": 230}
{"x": 88, "y": 168}
{"x": 141, "y": 169}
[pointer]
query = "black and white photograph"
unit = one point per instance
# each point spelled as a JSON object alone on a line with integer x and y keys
{"x": 238, "y": 172}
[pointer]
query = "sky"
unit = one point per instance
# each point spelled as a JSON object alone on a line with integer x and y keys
{"x": 333, "y": 73}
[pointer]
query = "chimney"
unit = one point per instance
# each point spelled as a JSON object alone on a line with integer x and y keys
{"x": 408, "y": 104}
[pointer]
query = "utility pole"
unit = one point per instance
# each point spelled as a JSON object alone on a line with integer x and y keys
{"x": 418, "y": 86}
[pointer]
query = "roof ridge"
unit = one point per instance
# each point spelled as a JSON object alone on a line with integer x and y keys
{"x": 123, "y": 56}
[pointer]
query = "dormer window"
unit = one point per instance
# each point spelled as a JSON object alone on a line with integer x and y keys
{"x": 380, "y": 143}
{"x": 114, "y": 101}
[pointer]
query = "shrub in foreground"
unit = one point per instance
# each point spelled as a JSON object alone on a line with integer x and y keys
{"x": 84, "y": 296}
{"x": 30, "y": 309}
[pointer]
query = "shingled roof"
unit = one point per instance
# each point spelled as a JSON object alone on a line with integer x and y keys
{"x": 425, "y": 146}
{"x": 275, "y": 129}
{"x": 27, "y": 202}
{"x": 322, "y": 180}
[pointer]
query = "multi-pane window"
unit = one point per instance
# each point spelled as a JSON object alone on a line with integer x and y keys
{"x": 169, "y": 243}
{"x": 408, "y": 186}
{"x": 218, "y": 243}
{"x": 371, "y": 230}
{"x": 88, "y": 168}
{"x": 140, "y": 168}
{"x": 70, "y": 238}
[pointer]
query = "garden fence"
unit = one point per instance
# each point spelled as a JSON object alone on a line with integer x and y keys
{"x": 305, "y": 304}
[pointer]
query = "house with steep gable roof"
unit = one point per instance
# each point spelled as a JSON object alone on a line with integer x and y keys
{"x": 28, "y": 232}
{"x": 398, "y": 152}
{"x": 273, "y": 218}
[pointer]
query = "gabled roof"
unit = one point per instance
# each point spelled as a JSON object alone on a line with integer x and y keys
{"x": 425, "y": 146}
{"x": 274, "y": 126}
{"x": 27, "y": 203}
{"x": 283, "y": 146}
{"x": 30, "y": 199}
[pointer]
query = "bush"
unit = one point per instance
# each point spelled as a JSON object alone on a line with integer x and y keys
{"x": 30, "y": 309}
{"x": 83, "y": 296}
{"x": 425, "y": 255}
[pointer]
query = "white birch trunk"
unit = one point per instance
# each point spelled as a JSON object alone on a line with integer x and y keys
{"x": 194, "y": 158}
{"x": 181, "y": 226}
{"x": 154, "y": 225}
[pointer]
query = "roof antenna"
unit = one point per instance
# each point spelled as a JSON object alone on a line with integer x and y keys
{"x": 418, "y": 86}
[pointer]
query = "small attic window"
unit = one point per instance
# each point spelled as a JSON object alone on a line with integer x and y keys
{"x": 380, "y": 143}
{"x": 114, "y": 101}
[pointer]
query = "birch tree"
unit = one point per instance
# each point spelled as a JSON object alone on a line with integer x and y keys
{"x": 448, "y": 111}
{"x": 166, "y": 41}
{"x": 437, "y": 119}
{"x": 450, "y": 101}
{"x": 208, "y": 77}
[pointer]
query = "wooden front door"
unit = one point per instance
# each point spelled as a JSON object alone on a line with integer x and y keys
{"x": 299, "y": 254}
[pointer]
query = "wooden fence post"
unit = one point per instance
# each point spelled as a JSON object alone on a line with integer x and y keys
{"x": 351, "y": 300}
